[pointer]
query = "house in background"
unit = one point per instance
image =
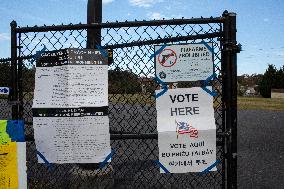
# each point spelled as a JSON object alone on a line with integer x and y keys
{"x": 277, "y": 93}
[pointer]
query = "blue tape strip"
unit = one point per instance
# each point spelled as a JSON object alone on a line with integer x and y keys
{"x": 210, "y": 78}
{"x": 164, "y": 87}
{"x": 162, "y": 166}
{"x": 210, "y": 167}
{"x": 104, "y": 52}
{"x": 211, "y": 49}
{"x": 49, "y": 165}
{"x": 16, "y": 130}
{"x": 102, "y": 164}
{"x": 212, "y": 93}
{"x": 158, "y": 51}
{"x": 37, "y": 54}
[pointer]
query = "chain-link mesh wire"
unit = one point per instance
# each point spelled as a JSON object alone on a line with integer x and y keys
{"x": 5, "y": 106}
{"x": 131, "y": 107}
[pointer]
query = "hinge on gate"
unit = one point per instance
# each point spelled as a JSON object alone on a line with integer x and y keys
{"x": 230, "y": 46}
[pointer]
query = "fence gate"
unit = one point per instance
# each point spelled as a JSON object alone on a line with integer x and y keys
{"x": 132, "y": 111}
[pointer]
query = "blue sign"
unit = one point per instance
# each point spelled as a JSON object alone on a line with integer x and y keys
{"x": 4, "y": 90}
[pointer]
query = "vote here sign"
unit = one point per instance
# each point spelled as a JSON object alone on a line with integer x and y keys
{"x": 187, "y": 130}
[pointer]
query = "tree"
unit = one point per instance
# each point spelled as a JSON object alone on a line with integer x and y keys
{"x": 5, "y": 74}
{"x": 272, "y": 78}
{"x": 123, "y": 82}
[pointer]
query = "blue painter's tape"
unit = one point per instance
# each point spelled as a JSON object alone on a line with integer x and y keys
{"x": 158, "y": 51}
{"x": 211, "y": 49}
{"x": 212, "y": 93}
{"x": 49, "y": 165}
{"x": 205, "y": 83}
{"x": 104, "y": 52}
{"x": 162, "y": 166}
{"x": 214, "y": 75}
{"x": 210, "y": 167}
{"x": 164, "y": 87}
{"x": 16, "y": 130}
{"x": 102, "y": 164}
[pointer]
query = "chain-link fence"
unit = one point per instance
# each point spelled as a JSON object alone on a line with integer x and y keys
{"x": 132, "y": 110}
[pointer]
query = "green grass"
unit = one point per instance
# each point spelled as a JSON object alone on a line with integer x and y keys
{"x": 253, "y": 103}
{"x": 244, "y": 103}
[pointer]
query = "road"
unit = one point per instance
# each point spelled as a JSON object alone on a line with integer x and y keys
{"x": 261, "y": 149}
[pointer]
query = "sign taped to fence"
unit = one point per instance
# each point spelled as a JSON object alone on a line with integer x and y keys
{"x": 184, "y": 62}
{"x": 71, "y": 78}
{"x": 72, "y": 139}
{"x": 70, "y": 110}
{"x": 186, "y": 130}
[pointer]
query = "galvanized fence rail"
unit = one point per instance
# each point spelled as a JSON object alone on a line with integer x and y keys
{"x": 131, "y": 110}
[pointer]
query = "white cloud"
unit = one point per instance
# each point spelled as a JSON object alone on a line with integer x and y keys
{"x": 265, "y": 19}
{"x": 4, "y": 36}
{"x": 155, "y": 15}
{"x": 144, "y": 3}
{"x": 107, "y": 1}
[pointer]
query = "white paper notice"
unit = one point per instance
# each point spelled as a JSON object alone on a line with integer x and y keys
{"x": 188, "y": 62}
{"x": 72, "y": 139}
{"x": 71, "y": 86}
{"x": 187, "y": 130}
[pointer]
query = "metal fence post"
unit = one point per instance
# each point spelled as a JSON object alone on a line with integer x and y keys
{"x": 229, "y": 56}
{"x": 14, "y": 83}
{"x": 94, "y": 15}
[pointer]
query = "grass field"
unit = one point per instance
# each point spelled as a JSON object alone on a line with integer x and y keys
{"x": 244, "y": 103}
{"x": 251, "y": 103}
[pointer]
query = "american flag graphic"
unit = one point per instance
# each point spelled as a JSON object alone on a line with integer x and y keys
{"x": 183, "y": 128}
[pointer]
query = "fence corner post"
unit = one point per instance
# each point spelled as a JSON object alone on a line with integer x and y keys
{"x": 230, "y": 50}
{"x": 14, "y": 83}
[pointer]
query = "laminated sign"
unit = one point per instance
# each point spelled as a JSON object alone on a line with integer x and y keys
{"x": 70, "y": 107}
{"x": 185, "y": 62}
{"x": 186, "y": 130}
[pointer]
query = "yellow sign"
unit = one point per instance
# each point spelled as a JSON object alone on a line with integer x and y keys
{"x": 4, "y": 137}
{"x": 8, "y": 166}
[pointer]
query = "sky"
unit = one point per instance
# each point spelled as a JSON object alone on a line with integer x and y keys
{"x": 260, "y": 23}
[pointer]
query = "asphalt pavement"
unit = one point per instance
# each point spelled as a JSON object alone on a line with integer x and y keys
{"x": 261, "y": 149}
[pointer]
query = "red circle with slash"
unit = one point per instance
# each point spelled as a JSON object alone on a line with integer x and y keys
{"x": 167, "y": 58}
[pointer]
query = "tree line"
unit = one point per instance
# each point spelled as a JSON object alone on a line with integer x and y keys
{"x": 127, "y": 82}
{"x": 273, "y": 78}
